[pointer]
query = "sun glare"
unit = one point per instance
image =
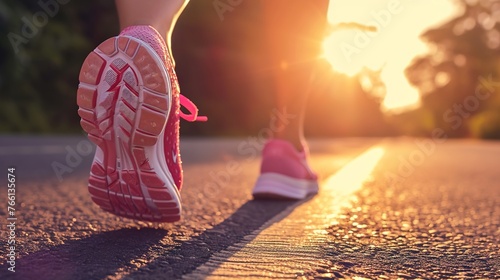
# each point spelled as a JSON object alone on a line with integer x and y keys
{"x": 390, "y": 47}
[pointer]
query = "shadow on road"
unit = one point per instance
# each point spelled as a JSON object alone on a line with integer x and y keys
{"x": 189, "y": 255}
{"x": 106, "y": 253}
{"x": 94, "y": 257}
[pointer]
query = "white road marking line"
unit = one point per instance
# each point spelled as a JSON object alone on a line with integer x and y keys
{"x": 266, "y": 252}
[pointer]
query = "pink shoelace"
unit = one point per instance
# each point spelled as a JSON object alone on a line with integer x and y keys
{"x": 193, "y": 111}
{"x": 151, "y": 36}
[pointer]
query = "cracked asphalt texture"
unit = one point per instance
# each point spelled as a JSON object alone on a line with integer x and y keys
{"x": 431, "y": 213}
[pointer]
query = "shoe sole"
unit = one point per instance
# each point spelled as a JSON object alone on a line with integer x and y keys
{"x": 278, "y": 186}
{"x": 124, "y": 100}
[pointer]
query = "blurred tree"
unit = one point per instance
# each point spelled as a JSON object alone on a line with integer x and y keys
{"x": 40, "y": 57}
{"x": 460, "y": 78}
{"x": 222, "y": 64}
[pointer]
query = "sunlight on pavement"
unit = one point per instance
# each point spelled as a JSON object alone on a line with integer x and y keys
{"x": 304, "y": 225}
{"x": 351, "y": 177}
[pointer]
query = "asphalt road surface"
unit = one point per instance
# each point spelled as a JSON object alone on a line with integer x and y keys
{"x": 387, "y": 209}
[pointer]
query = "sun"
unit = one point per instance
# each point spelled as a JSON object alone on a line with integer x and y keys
{"x": 350, "y": 59}
{"x": 388, "y": 41}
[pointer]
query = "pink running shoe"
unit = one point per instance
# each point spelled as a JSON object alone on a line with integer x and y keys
{"x": 285, "y": 173}
{"x": 129, "y": 103}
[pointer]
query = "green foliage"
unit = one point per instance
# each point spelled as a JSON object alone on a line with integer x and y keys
{"x": 222, "y": 65}
{"x": 460, "y": 79}
{"x": 39, "y": 68}
{"x": 486, "y": 124}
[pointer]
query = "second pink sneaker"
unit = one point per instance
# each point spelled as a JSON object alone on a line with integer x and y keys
{"x": 129, "y": 103}
{"x": 285, "y": 173}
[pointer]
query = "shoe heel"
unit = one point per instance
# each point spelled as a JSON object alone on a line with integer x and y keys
{"x": 277, "y": 186}
{"x": 124, "y": 104}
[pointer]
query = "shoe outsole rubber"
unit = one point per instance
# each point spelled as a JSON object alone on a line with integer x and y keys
{"x": 124, "y": 100}
{"x": 277, "y": 186}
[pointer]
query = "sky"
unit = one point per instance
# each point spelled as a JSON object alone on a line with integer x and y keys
{"x": 391, "y": 47}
